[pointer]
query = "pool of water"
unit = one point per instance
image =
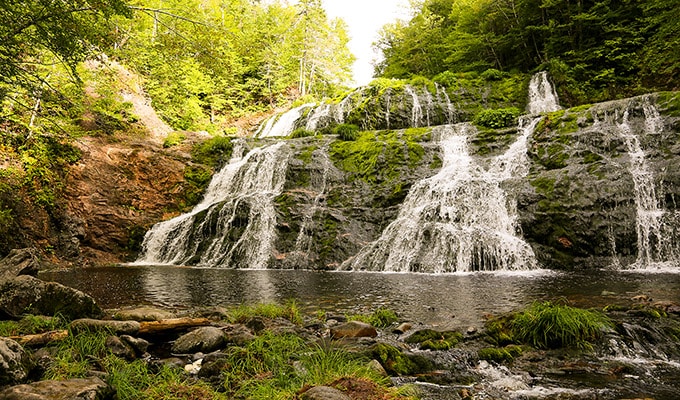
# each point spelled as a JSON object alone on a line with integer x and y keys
{"x": 447, "y": 300}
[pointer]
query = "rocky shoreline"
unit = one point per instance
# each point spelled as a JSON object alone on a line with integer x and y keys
{"x": 76, "y": 350}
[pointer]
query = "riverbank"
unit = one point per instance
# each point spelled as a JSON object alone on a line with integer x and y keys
{"x": 280, "y": 351}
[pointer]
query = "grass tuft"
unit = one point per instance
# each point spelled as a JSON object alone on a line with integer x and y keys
{"x": 289, "y": 311}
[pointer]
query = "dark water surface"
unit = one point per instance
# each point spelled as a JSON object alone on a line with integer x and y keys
{"x": 447, "y": 300}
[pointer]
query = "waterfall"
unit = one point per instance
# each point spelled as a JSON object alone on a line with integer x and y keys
{"x": 654, "y": 233}
{"x": 458, "y": 220}
{"x": 416, "y": 109}
{"x": 283, "y": 125}
{"x": 449, "y": 107}
{"x": 234, "y": 225}
{"x": 542, "y": 96}
{"x": 315, "y": 116}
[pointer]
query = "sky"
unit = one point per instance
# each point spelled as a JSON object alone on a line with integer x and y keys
{"x": 364, "y": 19}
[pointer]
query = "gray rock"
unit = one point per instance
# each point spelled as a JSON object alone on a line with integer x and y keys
{"x": 120, "y": 348}
{"x": 205, "y": 339}
{"x": 117, "y": 327}
{"x": 19, "y": 262}
{"x": 143, "y": 314}
{"x": 72, "y": 389}
{"x": 138, "y": 344}
{"x": 14, "y": 362}
{"x": 353, "y": 329}
{"x": 28, "y": 295}
{"x": 324, "y": 393}
{"x": 237, "y": 334}
{"x": 374, "y": 365}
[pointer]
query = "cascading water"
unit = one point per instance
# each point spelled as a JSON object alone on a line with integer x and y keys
{"x": 654, "y": 233}
{"x": 458, "y": 220}
{"x": 461, "y": 219}
{"x": 542, "y": 96}
{"x": 283, "y": 125}
{"x": 447, "y": 101}
{"x": 234, "y": 225}
{"x": 416, "y": 109}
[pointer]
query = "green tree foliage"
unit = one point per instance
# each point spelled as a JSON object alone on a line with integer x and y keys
{"x": 210, "y": 61}
{"x": 595, "y": 50}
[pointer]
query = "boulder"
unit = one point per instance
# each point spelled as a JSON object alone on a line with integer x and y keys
{"x": 138, "y": 344}
{"x": 324, "y": 393}
{"x": 205, "y": 339}
{"x": 143, "y": 314}
{"x": 28, "y": 295}
{"x": 72, "y": 389}
{"x": 120, "y": 348}
{"x": 117, "y": 327}
{"x": 353, "y": 329}
{"x": 237, "y": 334}
{"x": 14, "y": 362}
{"x": 19, "y": 262}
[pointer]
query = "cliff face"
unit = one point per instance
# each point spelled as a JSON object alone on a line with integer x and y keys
{"x": 600, "y": 188}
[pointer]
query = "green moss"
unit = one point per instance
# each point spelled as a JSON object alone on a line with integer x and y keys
{"x": 430, "y": 339}
{"x": 197, "y": 178}
{"x": 213, "y": 152}
{"x": 284, "y": 202}
{"x": 300, "y": 133}
{"x": 669, "y": 103}
{"x": 545, "y": 186}
{"x": 487, "y": 140}
{"x": 397, "y": 362}
{"x": 305, "y": 154}
{"x": 174, "y": 139}
{"x": 436, "y": 162}
{"x": 500, "y": 355}
{"x": 346, "y": 131}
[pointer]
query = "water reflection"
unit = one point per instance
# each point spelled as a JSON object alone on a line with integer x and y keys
{"x": 447, "y": 300}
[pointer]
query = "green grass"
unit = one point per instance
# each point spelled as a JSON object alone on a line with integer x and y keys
{"x": 380, "y": 318}
{"x": 289, "y": 311}
{"x": 548, "y": 325}
{"x": 278, "y": 366}
{"x": 31, "y": 324}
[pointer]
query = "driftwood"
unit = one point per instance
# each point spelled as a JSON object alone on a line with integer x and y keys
{"x": 40, "y": 339}
{"x": 166, "y": 325}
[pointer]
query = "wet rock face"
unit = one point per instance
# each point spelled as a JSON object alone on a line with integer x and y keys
{"x": 579, "y": 205}
{"x": 29, "y": 295}
{"x": 19, "y": 262}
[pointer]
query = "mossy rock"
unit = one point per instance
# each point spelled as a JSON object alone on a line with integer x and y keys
{"x": 397, "y": 362}
{"x": 500, "y": 354}
{"x": 430, "y": 339}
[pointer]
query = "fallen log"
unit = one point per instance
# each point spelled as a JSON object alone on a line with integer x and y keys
{"x": 151, "y": 327}
{"x": 40, "y": 339}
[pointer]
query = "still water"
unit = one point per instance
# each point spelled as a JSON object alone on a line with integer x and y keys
{"x": 447, "y": 300}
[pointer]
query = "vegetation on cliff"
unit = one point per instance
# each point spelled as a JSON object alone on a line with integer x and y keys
{"x": 594, "y": 50}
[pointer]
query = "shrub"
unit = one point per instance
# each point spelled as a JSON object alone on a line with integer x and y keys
{"x": 347, "y": 132}
{"x": 213, "y": 152}
{"x": 492, "y": 74}
{"x": 548, "y": 326}
{"x": 497, "y": 118}
{"x": 300, "y": 133}
{"x": 173, "y": 139}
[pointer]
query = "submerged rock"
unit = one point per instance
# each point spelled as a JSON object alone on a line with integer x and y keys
{"x": 28, "y": 295}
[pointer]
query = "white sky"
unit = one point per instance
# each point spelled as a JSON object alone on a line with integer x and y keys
{"x": 364, "y": 19}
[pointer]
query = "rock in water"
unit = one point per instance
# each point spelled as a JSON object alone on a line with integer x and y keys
{"x": 28, "y": 295}
{"x": 72, "y": 389}
{"x": 14, "y": 362}
{"x": 353, "y": 329}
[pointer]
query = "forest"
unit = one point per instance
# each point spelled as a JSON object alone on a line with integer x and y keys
{"x": 594, "y": 50}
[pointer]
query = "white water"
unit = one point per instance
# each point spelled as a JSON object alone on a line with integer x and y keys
{"x": 460, "y": 219}
{"x": 416, "y": 109}
{"x": 202, "y": 236}
{"x": 447, "y": 100}
{"x": 283, "y": 125}
{"x": 315, "y": 116}
{"x": 654, "y": 235}
{"x": 542, "y": 96}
